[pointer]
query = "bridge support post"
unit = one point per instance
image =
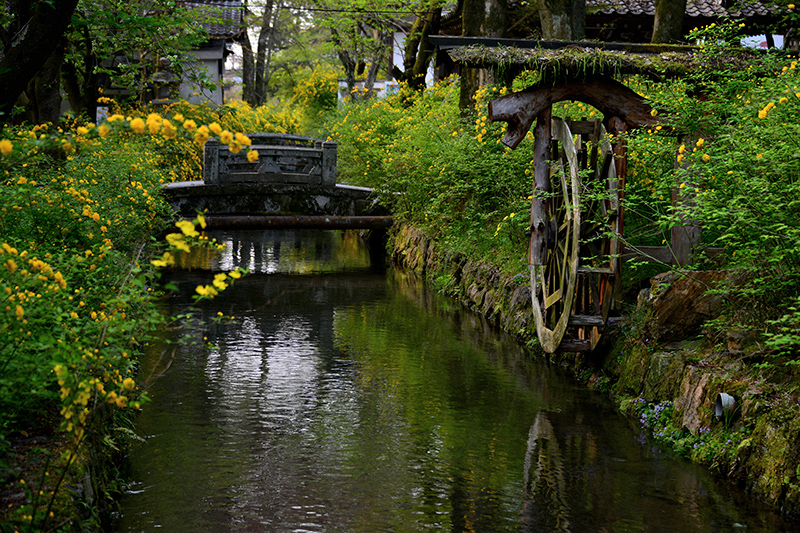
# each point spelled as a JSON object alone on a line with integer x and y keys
{"x": 328, "y": 162}
{"x": 211, "y": 161}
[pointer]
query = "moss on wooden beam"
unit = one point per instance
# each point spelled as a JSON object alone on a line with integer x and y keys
{"x": 578, "y": 60}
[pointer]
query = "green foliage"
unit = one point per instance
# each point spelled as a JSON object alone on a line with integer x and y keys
{"x": 717, "y": 447}
{"x": 77, "y": 298}
{"x": 736, "y": 170}
{"x": 436, "y": 169}
{"x": 130, "y": 41}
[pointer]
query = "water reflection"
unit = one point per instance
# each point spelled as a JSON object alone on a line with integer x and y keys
{"x": 284, "y": 251}
{"x": 361, "y": 401}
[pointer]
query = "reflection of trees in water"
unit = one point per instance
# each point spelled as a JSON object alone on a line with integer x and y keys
{"x": 545, "y": 507}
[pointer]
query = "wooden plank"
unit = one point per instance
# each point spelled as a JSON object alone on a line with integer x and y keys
{"x": 596, "y": 270}
{"x": 553, "y": 298}
{"x": 650, "y": 254}
{"x": 586, "y": 321}
{"x": 575, "y": 345}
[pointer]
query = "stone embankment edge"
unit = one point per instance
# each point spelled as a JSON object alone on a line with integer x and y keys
{"x": 689, "y": 373}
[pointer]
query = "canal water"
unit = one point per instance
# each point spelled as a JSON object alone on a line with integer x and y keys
{"x": 349, "y": 398}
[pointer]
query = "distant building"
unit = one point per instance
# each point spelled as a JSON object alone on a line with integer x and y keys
{"x": 211, "y": 55}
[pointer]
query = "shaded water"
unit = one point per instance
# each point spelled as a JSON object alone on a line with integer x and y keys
{"x": 348, "y": 399}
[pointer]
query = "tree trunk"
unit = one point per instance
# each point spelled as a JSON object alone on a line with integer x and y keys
{"x": 44, "y": 89}
{"x": 487, "y": 18}
{"x": 30, "y": 49}
{"x": 375, "y": 65}
{"x": 563, "y": 20}
{"x": 264, "y": 52}
{"x": 668, "y": 26}
{"x": 416, "y": 76}
{"x": 248, "y": 72}
{"x": 81, "y": 85}
{"x": 349, "y": 65}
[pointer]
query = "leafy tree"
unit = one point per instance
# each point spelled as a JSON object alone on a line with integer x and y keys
{"x": 418, "y": 50}
{"x": 361, "y": 33}
{"x": 133, "y": 43}
{"x": 277, "y": 28}
{"x": 128, "y": 41}
{"x": 26, "y": 52}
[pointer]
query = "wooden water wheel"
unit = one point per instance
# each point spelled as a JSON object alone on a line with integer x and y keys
{"x": 576, "y": 212}
{"x": 576, "y": 220}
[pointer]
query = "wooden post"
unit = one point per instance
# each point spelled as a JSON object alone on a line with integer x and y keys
{"x": 617, "y": 127}
{"x": 541, "y": 189}
{"x": 329, "y": 163}
{"x": 211, "y": 161}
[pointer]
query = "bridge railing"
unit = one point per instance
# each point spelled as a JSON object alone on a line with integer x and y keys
{"x": 282, "y": 159}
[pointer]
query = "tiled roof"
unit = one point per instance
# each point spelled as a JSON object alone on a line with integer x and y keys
{"x": 229, "y": 12}
{"x": 694, "y": 8}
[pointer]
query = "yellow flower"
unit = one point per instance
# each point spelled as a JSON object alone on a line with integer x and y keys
{"x": 706, "y": 157}
{"x": 252, "y": 156}
{"x": 169, "y": 130}
{"x": 235, "y": 148}
{"x": 137, "y": 125}
{"x": 177, "y": 117}
{"x": 176, "y": 241}
{"x": 235, "y": 274}
{"x": 20, "y": 312}
{"x": 226, "y": 137}
{"x": 206, "y": 290}
{"x": 122, "y": 402}
{"x": 219, "y": 281}
{"x": 201, "y": 220}
{"x": 682, "y": 149}
{"x": 790, "y": 6}
{"x": 243, "y": 139}
{"x": 759, "y": 156}
{"x": 187, "y": 228}
{"x": 128, "y": 383}
{"x": 166, "y": 260}
{"x": 215, "y": 128}
{"x": 6, "y": 147}
{"x": 22, "y": 180}
{"x": 201, "y": 138}
{"x": 82, "y": 130}
{"x": 700, "y": 142}
{"x": 115, "y": 118}
{"x": 654, "y": 112}
{"x": 11, "y": 265}
{"x": 103, "y": 130}
{"x": 190, "y": 125}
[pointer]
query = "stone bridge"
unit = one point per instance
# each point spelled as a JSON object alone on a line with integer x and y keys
{"x": 292, "y": 184}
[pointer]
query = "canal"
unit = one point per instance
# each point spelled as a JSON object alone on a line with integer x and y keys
{"x": 344, "y": 397}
